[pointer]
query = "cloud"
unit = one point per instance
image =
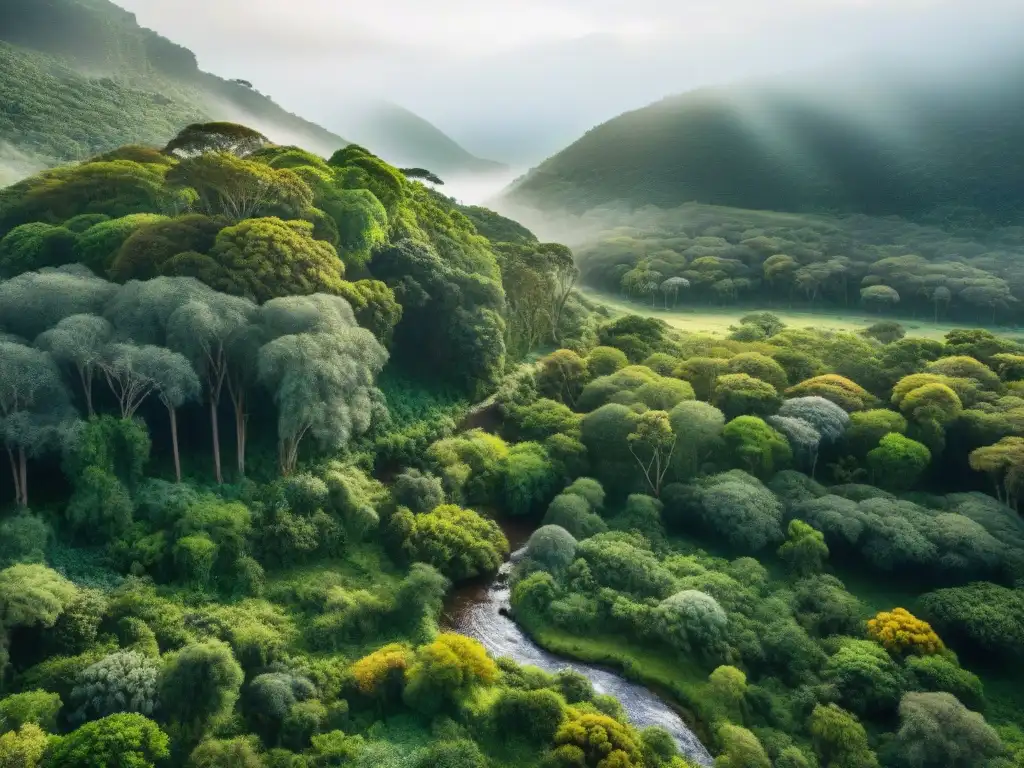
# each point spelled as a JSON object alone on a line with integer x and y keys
{"x": 516, "y": 79}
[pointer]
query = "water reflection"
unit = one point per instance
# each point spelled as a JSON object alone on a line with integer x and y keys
{"x": 475, "y": 611}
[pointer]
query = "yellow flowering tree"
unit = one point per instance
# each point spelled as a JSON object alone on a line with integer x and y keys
{"x": 899, "y": 631}
{"x": 382, "y": 670}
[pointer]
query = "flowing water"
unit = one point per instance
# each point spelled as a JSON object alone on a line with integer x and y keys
{"x": 476, "y": 611}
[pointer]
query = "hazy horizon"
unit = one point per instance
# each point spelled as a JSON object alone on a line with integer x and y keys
{"x": 517, "y": 81}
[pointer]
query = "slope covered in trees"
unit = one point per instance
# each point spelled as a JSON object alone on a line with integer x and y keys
{"x": 404, "y": 138}
{"x": 709, "y": 256}
{"x": 934, "y": 147}
{"x": 80, "y": 77}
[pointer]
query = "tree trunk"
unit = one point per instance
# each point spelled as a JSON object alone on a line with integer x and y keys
{"x": 174, "y": 443}
{"x": 87, "y": 391}
{"x": 15, "y": 476}
{"x": 24, "y": 476}
{"x": 216, "y": 442}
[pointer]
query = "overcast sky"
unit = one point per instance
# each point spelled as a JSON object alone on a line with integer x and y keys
{"x": 518, "y": 79}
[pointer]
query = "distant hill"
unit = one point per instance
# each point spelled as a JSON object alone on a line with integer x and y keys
{"x": 79, "y": 77}
{"x": 874, "y": 143}
{"x": 404, "y": 138}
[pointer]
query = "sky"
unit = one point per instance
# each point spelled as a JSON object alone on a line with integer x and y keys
{"x": 516, "y": 80}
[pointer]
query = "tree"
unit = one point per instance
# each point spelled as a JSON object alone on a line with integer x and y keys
{"x": 128, "y": 740}
{"x": 932, "y": 402}
{"x": 572, "y": 513}
{"x": 867, "y": 428}
{"x": 742, "y": 511}
{"x": 322, "y": 383}
{"x": 702, "y": 373}
{"x": 699, "y": 426}
{"x": 740, "y": 749}
{"x": 33, "y": 595}
{"x": 758, "y": 447}
{"x": 803, "y": 439}
{"x": 865, "y": 676}
{"x": 36, "y": 301}
{"x": 458, "y": 542}
{"x": 34, "y": 409}
{"x": 529, "y": 476}
{"x": 239, "y": 752}
{"x": 35, "y": 245}
{"x": 199, "y": 683}
{"x": 146, "y": 253}
{"x": 885, "y": 332}
{"x": 941, "y": 297}
{"x": 564, "y": 274}
{"x": 595, "y": 741}
{"x": 728, "y": 686}
{"x": 125, "y": 681}
{"x": 445, "y": 669}
{"x": 419, "y": 491}
{"x": 1004, "y": 463}
{"x": 839, "y": 738}
{"x": 30, "y": 707}
{"x": 552, "y": 547}
{"x": 79, "y": 341}
{"x": 562, "y": 375}
{"x": 175, "y": 383}
{"x": 759, "y": 367}
{"x": 899, "y": 631}
{"x": 264, "y": 258}
{"x": 99, "y": 245}
{"x": 692, "y": 620}
{"x": 805, "y": 551}
{"x": 937, "y": 730}
{"x": 240, "y": 189}
{"x": 533, "y": 716}
{"x": 652, "y": 444}
{"x": 671, "y": 287}
{"x": 847, "y": 394}
{"x": 880, "y": 297}
{"x": 23, "y": 748}
{"x": 604, "y": 361}
{"x": 200, "y": 138}
{"x": 205, "y": 332}
{"x": 23, "y": 539}
{"x": 739, "y": 394}
{"x": 898, "y": 461}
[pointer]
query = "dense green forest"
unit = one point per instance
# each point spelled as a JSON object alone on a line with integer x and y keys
{"x": 236, "y": 382}
{"x": 930, "y": 149}
{"x": 80, "y": 77}
{"x": 698, "y": 255}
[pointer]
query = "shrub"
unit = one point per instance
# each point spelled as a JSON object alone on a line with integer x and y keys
{"x": 899, "y": 631}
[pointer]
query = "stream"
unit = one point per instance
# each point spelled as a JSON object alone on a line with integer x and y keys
{"x": 474, "y": 610}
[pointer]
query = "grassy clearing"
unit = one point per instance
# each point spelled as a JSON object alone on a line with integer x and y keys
{"x": 716, "y": 321}
{"x": 683, "y": 680}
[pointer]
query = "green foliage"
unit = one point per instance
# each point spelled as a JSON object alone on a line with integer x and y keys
{"x": 740, "y": 749}
{"x": 738, "y": 394}
{"x": 936, "y": 729}
{"x": 38, "y": 708}
{"x": 898, "y": 461}
{"x": 840, "y": 739}
{"x": 757, "y": 447}
{"x": 23, "y": 539}
{"x": 32, "y": 595}
{"x": 198, "y": 684}
{"x": 122, "y": 682}
{"x": 458, "y": 542}
{"x": 125, "y": 739}
{"x": 805, "y": 550}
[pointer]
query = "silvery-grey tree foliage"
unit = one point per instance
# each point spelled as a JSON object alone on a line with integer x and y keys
{"x": 125, "y": 681}
{"x": 35, "y": 410}
{"x": 203, "y": 330}
{"x": 322, "y": 380}
{"x": 78, "y": 341}
{"x": 824, "y": 415}
{"x": 36, "y": 301}
{"x": 803, "y": 438}
{"x": 141, "y": 309}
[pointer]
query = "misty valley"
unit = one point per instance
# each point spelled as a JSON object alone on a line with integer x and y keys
{"x": 337, "y": 437}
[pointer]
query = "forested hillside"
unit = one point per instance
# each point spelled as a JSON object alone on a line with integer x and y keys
{"x": 80, "y": 77}
{"x": 244, "y": 475}
{"x": 935, "y": 148}
{"x": 707, "y": 256}
{"x": 404, "y": 138}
